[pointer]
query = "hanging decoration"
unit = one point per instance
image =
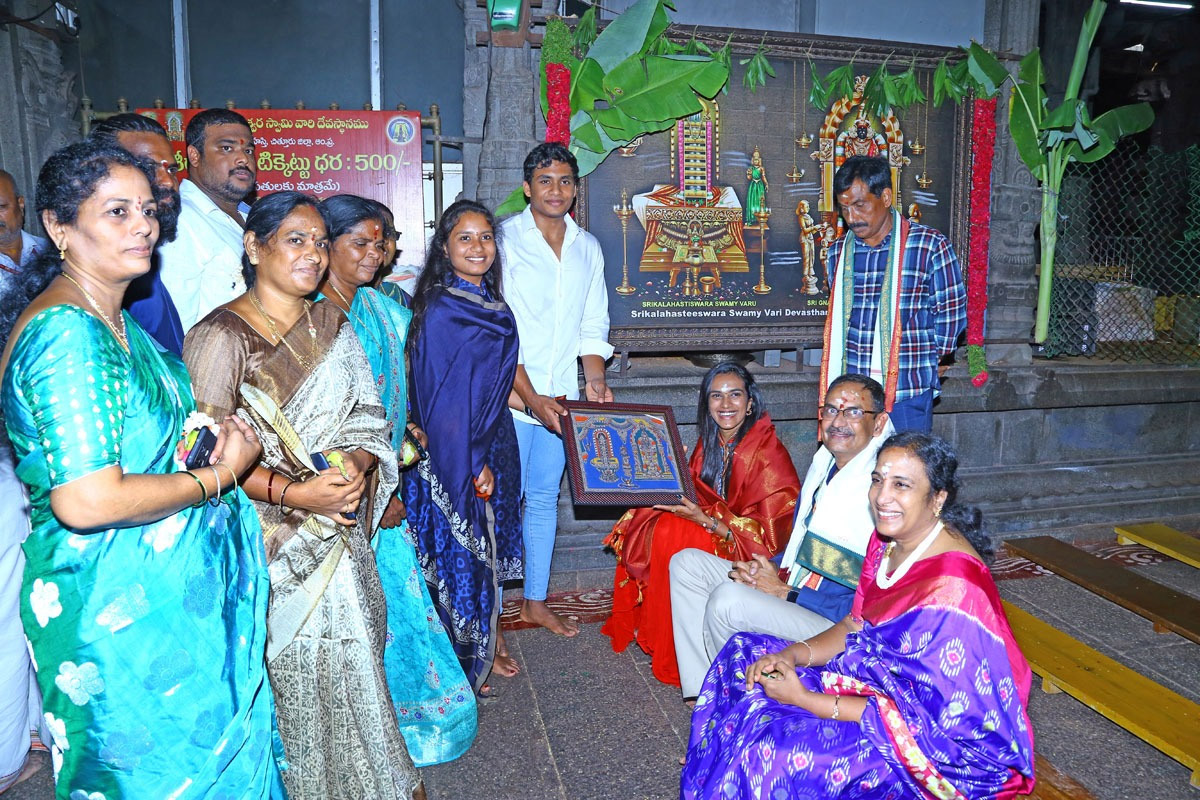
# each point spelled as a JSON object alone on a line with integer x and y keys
{"x": 983, "y": 146}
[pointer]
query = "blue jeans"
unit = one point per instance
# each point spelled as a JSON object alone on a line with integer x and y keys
{"x": 542, "y": 462}
{"x": 913, "y": 414}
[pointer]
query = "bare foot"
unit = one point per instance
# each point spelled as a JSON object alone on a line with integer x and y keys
{"x": 33, "y": 764}
{"x": 419, "y": 792}
{"x": 538, "y": 613}
{"x": 690, "y": 702}
{"x": 683, "y": 761}
{"x": 503, "y": 664}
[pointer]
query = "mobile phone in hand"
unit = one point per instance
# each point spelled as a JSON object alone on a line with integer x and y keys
{"x": 201, "y": 449}
{"x": 322, "y": 463}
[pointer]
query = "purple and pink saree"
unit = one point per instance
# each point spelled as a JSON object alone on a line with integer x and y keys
{"x": 945, "y": 718}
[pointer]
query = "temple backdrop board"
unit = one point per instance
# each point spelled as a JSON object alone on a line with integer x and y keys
{"x": 715, "y": 232}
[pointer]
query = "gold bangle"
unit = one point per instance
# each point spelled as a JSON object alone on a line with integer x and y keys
{"x": 808, "y": 663}
{"x": 203, "y": 489}
{"x": 836, "y": 711}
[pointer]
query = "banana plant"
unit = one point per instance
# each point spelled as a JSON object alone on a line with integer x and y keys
{"x": 1047, "y": 140}
{"x": 631, "y": 80}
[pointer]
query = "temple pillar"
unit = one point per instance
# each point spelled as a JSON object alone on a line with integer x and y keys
{"x": 38, "y": 106}
{"x": 1011, "y": 26}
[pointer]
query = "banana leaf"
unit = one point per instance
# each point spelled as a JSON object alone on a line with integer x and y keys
{"x": 587, "y": 85}
{"x": 662, "y": 87}
{"x": 630, "y": 34}
{"x": 1069, "y": 122}
{"x": 585, "y": 32}
{"x": 1027, "y": 109}
{"x": 987, "y": 71}
{"x": 513, "y": 204}
{"x": 1109, "y": 128}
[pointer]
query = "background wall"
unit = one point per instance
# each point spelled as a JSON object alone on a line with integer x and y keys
{"x": 282, "y": 51}
{"x": 918, "y": 21}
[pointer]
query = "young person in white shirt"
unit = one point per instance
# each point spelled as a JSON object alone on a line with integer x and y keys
{"x": 202, "y": 268}
{"x": 554, "y": 284}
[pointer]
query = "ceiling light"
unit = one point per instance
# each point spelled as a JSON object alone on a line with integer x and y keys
{"x": 1178, "y": 6}
{"x": 1136, "y": 48}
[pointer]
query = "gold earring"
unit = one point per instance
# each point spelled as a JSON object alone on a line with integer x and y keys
{"x": 62, "y": 252}
{"x": 938, "y": 514}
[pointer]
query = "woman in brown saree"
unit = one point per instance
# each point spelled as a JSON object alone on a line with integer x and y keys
{"x": 296, "y": 371}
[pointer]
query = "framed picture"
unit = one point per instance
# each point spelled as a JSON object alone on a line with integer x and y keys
{"x": 619, "y": 454}
{"x": 716, "y": 231}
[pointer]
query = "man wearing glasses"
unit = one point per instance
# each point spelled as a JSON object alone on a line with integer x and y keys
{"x": 811, "y": 586}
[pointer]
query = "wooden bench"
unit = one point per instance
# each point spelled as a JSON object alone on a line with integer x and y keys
{"x": 1148, "y": 710}
{"x": 1164, "y": 539}
{"x": 1168, "y": 609}
{"x": 1055, "y": 785}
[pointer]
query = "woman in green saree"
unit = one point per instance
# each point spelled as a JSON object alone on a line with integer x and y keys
{"x": 144, "y": 605}
{"x": 297, "y": 372}
{"x": 434, "y": 703}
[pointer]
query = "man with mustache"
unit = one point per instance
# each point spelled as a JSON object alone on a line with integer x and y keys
{"x": 897, "y": 303}
{"x": 147, "y": 299}
{"x": 202, "y": 268}
{"x": 811, "y": 586}
{"x": 17, "y": 248}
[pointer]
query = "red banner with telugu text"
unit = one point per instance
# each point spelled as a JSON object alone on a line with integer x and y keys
{"x": 375, "y": 154}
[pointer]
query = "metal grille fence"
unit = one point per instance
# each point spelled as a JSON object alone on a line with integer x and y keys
{"x": 1127, "y": 265}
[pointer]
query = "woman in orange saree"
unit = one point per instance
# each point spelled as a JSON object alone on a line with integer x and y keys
{"x": 746, "y": 486}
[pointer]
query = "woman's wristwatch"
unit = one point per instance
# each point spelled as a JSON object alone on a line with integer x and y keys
{"x": 712, "y": 526}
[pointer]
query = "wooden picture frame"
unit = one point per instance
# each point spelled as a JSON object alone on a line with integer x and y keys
{"x": 623, "y": 454}
{"x": 737, "y": 303}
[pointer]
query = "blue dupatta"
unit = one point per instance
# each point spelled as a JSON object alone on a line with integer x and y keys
{"x": 462, "y": 367}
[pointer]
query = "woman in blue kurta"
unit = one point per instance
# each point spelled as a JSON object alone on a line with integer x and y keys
{"x": 463, "y": 357}
{"x": 434, "y": 703}
{"x": 145, "y": 606}
{"x": 919, "y": 693}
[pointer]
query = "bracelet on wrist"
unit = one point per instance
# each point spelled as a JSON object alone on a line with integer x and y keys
{"x": 808, "y": 663}
{"x": 203, "y": 489}
{"x": 270, "y": 482}
{"x": 215, "y": 500}
{"x": 282, "y": 495}
{"x": 836, "y": 711}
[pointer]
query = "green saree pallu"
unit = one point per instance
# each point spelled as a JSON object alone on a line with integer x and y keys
{"x": 148, "y": 639}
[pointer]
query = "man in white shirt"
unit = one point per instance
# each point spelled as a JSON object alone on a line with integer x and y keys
{"x": 17, "y": 248}
{"x": 554, "y": 284}
{"x": 202, "y": 268}
{"x": 811, "y": 586}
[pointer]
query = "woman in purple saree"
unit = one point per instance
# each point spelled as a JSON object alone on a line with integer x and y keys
{"x": 919, "y": 693}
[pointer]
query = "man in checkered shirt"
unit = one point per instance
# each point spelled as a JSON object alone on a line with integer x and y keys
{"x": 925, "y": 312}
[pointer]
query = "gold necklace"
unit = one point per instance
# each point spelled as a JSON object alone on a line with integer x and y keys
{"x": 120, "y": 334}
{"x": 341, "y": 296}
{"x": 312, "y": 331}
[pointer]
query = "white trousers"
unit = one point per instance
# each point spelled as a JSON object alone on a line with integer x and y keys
{"x": 20, "y": 700}
{"x": 708, "y": 608}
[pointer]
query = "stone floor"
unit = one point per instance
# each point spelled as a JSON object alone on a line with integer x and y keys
{"x": 584, "y": 723}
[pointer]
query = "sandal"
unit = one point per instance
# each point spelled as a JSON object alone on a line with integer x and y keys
{"x": 487, "y": 694}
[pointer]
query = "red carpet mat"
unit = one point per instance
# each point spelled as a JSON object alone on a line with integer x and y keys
{"x": 594, "y": 605}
